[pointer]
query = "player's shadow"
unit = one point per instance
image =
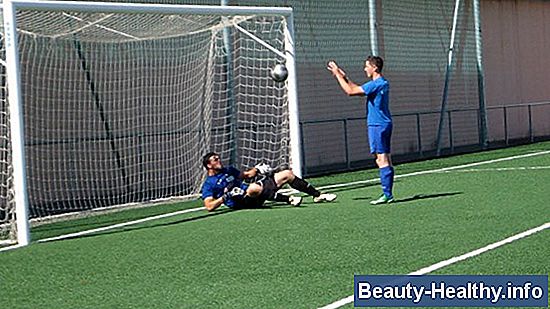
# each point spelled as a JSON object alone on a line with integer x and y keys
{"x": 425, "y": 196}
{"x": 414, "y": 197}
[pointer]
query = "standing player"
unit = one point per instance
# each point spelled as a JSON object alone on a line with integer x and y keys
{"x": 225, "y": 185}
{"x": 379, "y": 119}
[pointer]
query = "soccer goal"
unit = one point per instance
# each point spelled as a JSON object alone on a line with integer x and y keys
{"x": 114, "y": 104}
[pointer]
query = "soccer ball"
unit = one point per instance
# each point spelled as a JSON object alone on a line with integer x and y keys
{"x": 279, "y": 73}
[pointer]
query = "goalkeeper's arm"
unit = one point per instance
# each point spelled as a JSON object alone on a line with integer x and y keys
{"x": 261, "y": 168}
{"x": 211, "y": 203}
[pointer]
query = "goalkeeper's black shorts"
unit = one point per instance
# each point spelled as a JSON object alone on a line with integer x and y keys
{"x": 269, "y": 188}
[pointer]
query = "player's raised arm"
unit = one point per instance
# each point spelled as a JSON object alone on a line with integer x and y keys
{"x": 349, "y": 87}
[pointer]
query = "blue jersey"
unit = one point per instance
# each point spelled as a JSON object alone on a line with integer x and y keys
{"x": 215, "y": 185}
{"x": 378, "y": 97}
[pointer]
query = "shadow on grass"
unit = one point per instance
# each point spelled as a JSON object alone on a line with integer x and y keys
{"x": 413, "y": 198}
{"x": 307, "y": 201}
{"x": 101, "y": 221}
{"x": 130, "y": 228}
{"x": 425, "y": 196}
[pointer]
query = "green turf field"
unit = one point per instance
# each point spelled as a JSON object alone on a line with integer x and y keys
{"x": 287, "y": 257}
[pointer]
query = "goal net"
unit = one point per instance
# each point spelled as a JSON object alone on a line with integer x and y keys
{"x": 7, "y": 204}
{"x": 120, "y": 102}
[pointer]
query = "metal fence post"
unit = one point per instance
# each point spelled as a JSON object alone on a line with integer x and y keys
{"x": 451, "y": 145}
{"x": 419, "y": 135}
{"x": 348, "y": 163}
{"x": 505, "y": 125}
{"x": 531, "y": 137}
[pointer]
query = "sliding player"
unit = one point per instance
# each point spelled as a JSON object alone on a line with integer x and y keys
{"x": 225, "y": 185}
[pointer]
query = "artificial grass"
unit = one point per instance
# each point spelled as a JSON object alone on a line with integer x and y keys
{"x": 286, "y": 257}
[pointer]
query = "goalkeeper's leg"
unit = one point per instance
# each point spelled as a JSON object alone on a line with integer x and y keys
{"x": 301, "y": 185}
{"x": 266, "y": 189}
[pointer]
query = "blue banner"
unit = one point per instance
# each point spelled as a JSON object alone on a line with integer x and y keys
{"x": 451, "y": 291}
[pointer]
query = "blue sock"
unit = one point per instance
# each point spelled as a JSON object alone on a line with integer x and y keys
{"x": 386, "y": 180}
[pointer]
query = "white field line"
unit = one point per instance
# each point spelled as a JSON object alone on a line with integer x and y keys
{"x": 501, "y": 169}
{"x": 440, "y": 170}
{"x": 106, "y": 228}
{"x": 436, "y": 266}
{"x": 11, "y": 248}
{"x": 110, "y": 227}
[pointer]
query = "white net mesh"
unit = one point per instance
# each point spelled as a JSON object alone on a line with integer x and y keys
{"x": 7, "y": 216}
{"x": 120, "y": 108}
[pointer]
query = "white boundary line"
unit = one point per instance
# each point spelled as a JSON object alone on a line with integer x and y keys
{"x": 110, "y": 227}
{"x": 501, "y": 169}
{"x": 436, "y": 266}
{"x": 439, "y": 170}
{"x": 11, "y": 247}
{"x": 321, "y": 188}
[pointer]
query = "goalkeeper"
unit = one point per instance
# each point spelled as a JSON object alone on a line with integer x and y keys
{"x": 225, "y": 185}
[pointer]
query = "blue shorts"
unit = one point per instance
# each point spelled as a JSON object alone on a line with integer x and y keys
{"x": 380, "y": 138}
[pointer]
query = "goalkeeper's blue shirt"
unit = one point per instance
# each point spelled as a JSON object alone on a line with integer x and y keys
{"x": 215, "y": 185}
{"x": 378, "y": 97}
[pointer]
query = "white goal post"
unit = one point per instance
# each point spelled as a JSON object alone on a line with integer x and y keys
{"x": 115, "y": 103}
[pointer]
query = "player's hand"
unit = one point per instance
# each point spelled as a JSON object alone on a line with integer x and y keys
{"x": 335, "y": 69}
{"x": 263, "y": 169}
{"x": 235, "y": 192}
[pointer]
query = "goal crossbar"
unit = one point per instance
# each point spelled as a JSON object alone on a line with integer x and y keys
{"x": 113, "y": 7}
